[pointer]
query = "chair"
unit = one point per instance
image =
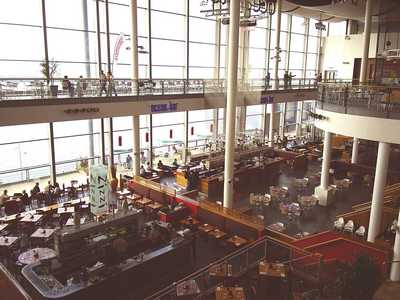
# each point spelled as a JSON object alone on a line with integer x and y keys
{"x": 349, "y": 227}
{"x": 339, "y": 224}
{"x": 360, "y": 231}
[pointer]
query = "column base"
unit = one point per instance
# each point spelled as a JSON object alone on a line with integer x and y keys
{"x": 325, "y": 196}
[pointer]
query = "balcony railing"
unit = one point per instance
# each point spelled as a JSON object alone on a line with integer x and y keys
{"x": 36, "y": 88}
{"x": 241, "y": 262}
{"x": 365, "y": 100}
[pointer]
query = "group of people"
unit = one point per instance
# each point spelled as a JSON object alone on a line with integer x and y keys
{"x": 50, "y": 194}
{"x": 106, "y": 84}
{"x": 148, "y": 171}
{"x": 287, "y": 79}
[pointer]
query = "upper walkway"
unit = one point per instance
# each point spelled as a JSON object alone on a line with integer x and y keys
{"x": 363, "y": 100}
{"x": 31, "y": 100}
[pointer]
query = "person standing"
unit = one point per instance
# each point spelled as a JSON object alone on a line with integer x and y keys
{"x": 286, "y": 80}
{"x": 67, "y": 86}
{"x": 79, "y": 86}
{"x": 267, "y": 79}
{"x": 111, "y": 85}
{"x": 103, "y": 83}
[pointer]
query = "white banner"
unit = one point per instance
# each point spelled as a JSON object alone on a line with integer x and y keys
{"x": 98, "y": 189}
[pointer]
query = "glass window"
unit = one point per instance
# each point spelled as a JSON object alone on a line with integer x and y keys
{"x": 297, "y": 42}
{"x": 201, "y": 55}
{"x": 202, "y": 30}
{"x": 298, "y": 24}
{"x": 168, "y": 52}
{"x": 338, "y": 28}
{"x": 176, "y": 6}
{"x": 165, "y": 25}
{"x": 258, "y": 38}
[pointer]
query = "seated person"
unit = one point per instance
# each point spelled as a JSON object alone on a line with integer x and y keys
{"x": 48, "y": 188}
{"x": 142, "y": 171}
{"x": 25, "y": 198}
{"x": 148, "y": 168}
{"x": 175, "y": 163}
{"x": 160, "y": 165}
{"x": 36, "y": 189}
{"x": 3, "y": 198}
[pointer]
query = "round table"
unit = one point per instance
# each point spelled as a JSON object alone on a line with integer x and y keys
{"x": 36, "y": 254}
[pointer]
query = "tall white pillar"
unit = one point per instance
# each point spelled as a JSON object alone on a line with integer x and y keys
{"x": 271, "y": 125}
{"x": 354, "y": 154}
{"x": 185, "y": 150}
{"x": 366, "y": 41}
{"x": 377, "y": 195}
{"x": 231, "y": 102}
{"x": 277, "y": 45}
{"x": 135, "y": 86}
{"x": 299, "y": 118}
{"x": 395, "y": 269}
{"x": 136, "y": 145}
{"x": 322, "y": 191}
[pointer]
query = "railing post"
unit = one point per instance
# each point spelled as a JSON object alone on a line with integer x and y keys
{"x": 204, "y": 86}
{"x": 162, "y": 87}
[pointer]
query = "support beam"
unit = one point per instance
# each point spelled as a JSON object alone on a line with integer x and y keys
{"x": 395, "y": 269}
{"x": 135, "y": 87}
{"x": 136, "y": 145}
{"x": 185, "y": 149}
{"x": 52, "y": 152}
{"x": 283, "y": 119}
{"x": 231, "y": 102}
{"x": 323, "y": 191}
{"x": 277, "y": 45}
{"x": 134, "y": 47}
{"x": 87, "y": 71}
{"x": 102, "y": 143}
{"x": 110, "y": 142}
{"x": 151, "y": 140}
{"x": 215, "y": 124}
{"x": 366, "y": 41}
{"x": 271, "y": 125}
{"x": 377, "y": 195}
{"x": 299, "y": 119}
{"x": 264, "y": 124}
{"x": 354, "y": 154}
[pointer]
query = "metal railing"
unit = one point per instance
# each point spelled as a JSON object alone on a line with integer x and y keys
{"x": 243, "y": 260}
{"x": 365, "y": 100}
{"x": 37, "y": 88}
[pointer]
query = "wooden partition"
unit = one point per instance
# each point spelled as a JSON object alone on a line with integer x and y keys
{"x": 10, "y": 289}
{"x": 230, "y": 220}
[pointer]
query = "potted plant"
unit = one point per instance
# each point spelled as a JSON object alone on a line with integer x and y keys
{"x": 49, "y": 69}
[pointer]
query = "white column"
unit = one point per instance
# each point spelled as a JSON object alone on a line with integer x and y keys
{"x": 354, "y": 154}
{"x": 299, "y": 119}
{"x": 326, "y": 160}
{"x": 52, "y": 152}
{"x": 185, "y": 138}
{"x": 366, "y": 41}
{"x": 231, "y": 102}
{"x": 323, "y": 192}
{"x": 377, "y": 195}
{"x": 215, "y": 124}
{"x": 136, "y": 145}
{"x": 395, "y": 270}
{"x": 271, "y": 125}
{"x": 277, "y": 45}
{"x": 135, "y": 77}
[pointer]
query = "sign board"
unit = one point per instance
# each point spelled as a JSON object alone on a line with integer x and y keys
{"x": 266, "y": 99}
{"x": 165, "y": 107}
{"x": 98, "y": 189}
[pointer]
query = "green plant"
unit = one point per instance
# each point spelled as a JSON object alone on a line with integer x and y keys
{"x": 49, "y": 69}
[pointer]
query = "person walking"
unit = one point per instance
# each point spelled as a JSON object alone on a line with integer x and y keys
{"x": 111, "y": 85}
{"x": 286, "y": 80}
{"x": 103, "y": 83}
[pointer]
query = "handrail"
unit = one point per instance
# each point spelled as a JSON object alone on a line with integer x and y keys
{"x": 39, "y": 88}
{"x": 382, "y": 101}
{"x": 264, "y": 240}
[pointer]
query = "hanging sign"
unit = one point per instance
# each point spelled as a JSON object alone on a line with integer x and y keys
{"x": 266, "y": 99}
{"x": 98, "y": 189}
{"x": 166, "y": 107}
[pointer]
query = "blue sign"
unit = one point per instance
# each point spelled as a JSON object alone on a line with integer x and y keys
{"x": 167, "y": 107}
{"x": 266, "y": 99}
